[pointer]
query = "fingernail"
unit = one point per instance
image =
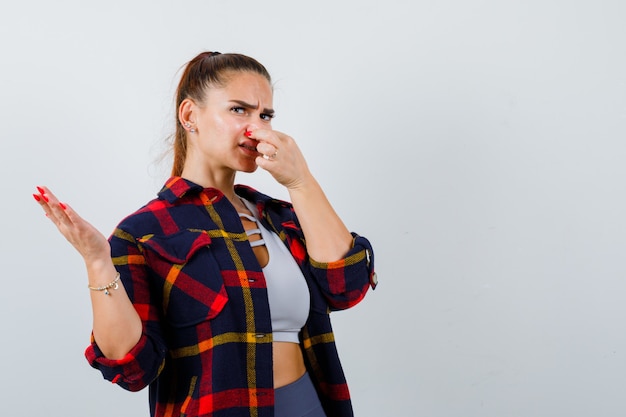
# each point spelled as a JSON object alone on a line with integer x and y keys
{"x": 43, "y": 194}
{"x": 63, "y": 206}
{"x": 36, "y": 197}
{"x": 248, "y": 133}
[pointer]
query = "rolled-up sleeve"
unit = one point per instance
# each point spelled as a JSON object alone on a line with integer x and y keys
{"x": 134, "y": 371}
{"x": 144, "y": 362}
{"x": 346, "y": 281}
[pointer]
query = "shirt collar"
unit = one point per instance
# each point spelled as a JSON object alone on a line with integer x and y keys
{"x": 176, "y": 188}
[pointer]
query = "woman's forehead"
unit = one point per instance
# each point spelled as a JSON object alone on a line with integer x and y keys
{"x": 246, "y": 86}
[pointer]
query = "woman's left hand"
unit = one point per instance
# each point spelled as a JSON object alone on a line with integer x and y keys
{"x": 281, "y": 157}
{"x": 327, "y": 238}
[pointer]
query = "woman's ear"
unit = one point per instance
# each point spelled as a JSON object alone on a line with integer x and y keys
{"x": 185, "y": 115}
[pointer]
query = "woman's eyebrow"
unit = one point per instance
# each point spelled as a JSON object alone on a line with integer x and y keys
{"x": 252, "y": 106}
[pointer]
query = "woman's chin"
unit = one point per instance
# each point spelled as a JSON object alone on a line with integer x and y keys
{"x": 249, "y": 168}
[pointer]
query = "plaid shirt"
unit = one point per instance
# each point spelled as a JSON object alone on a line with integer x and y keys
{"x": 206, "y": 347}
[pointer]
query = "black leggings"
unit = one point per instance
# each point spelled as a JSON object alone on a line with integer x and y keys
{"x": 298, "y": 399}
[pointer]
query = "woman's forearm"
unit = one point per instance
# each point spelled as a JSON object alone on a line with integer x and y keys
{"x": 116, "y": 325}
{"x": 327, "y": 238}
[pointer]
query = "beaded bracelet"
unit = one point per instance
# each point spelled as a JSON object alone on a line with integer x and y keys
{"x": 113, "y": 284}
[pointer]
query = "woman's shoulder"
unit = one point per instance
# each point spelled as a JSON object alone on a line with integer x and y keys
{"x": 143, "y": 217}
{"x": 153, "y": 215}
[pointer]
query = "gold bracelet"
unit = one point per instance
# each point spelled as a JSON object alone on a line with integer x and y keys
{"x": 113, "y": 284}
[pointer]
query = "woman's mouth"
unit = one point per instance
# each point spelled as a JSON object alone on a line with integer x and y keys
{"x": 248, "y": 147}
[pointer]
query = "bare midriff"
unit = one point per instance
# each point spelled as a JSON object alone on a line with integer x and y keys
{"x": 288, "y": 363}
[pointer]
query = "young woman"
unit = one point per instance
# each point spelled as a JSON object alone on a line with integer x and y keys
{"x": 214, "y": 295}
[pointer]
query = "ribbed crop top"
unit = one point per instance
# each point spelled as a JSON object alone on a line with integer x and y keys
{"x": 287, "y": 291}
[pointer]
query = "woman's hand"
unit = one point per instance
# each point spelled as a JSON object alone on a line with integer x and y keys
{"x": 116, "y": 324}
{"x": 327, "y": 238}
{"x": 281, "y": 157}
{"x": 88, "y": 241}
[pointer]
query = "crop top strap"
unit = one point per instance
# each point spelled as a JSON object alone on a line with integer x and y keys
{"x": 257, "y": 231}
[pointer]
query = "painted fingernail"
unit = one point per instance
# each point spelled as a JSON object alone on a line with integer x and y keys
{"x": 36, "y": 197}
{"x": 41, "y": 190}
{"x": 248, "y": 133}
{"x": 63, "y": 206}
{"x": 45, "y": 198}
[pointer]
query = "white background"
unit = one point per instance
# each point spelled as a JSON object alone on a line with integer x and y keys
{"x": 480, "y": 145}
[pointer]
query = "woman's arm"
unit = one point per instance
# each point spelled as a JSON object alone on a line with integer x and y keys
{"x": 117, "y": 327}
{"x": 327, "y": 238}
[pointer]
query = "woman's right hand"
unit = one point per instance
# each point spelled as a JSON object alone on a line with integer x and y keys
{"x": 88, "y": 241}
{"x": 116, "y": 325}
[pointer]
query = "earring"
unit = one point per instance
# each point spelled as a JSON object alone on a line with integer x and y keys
{"x": 192, "y": 130}
{"x": 187, "y": 125}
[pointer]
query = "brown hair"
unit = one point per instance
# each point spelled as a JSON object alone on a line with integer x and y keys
{"x": 208, "y": 69}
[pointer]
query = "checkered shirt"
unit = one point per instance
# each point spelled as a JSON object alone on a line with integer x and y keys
{"x": 206, "y": 346}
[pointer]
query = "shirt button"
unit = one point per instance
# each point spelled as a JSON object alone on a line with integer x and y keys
{"x": 374, "y": 278}
{"x": 251, "y": 280}
{"x": 259, "y": 335}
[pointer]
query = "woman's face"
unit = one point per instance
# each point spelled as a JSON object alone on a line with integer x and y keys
{"x": 243, "y": 104}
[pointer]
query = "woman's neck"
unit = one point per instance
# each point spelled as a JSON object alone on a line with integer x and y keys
{"x": 222, "y": 180}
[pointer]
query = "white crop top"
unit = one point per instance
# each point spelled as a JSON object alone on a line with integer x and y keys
{"x": 287, "y": 290}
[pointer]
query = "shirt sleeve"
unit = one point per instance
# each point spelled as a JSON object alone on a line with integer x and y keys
{"x": 144, "y": 362}
{"x": 345, "y": 282}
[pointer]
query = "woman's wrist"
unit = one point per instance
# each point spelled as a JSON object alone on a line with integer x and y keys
{"x": 304, "y": 184}
{"x": 99, "y": 268}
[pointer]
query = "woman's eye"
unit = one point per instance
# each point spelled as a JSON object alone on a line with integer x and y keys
{"x": 267, "y": 117}
{"x": 239, "y": 110}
